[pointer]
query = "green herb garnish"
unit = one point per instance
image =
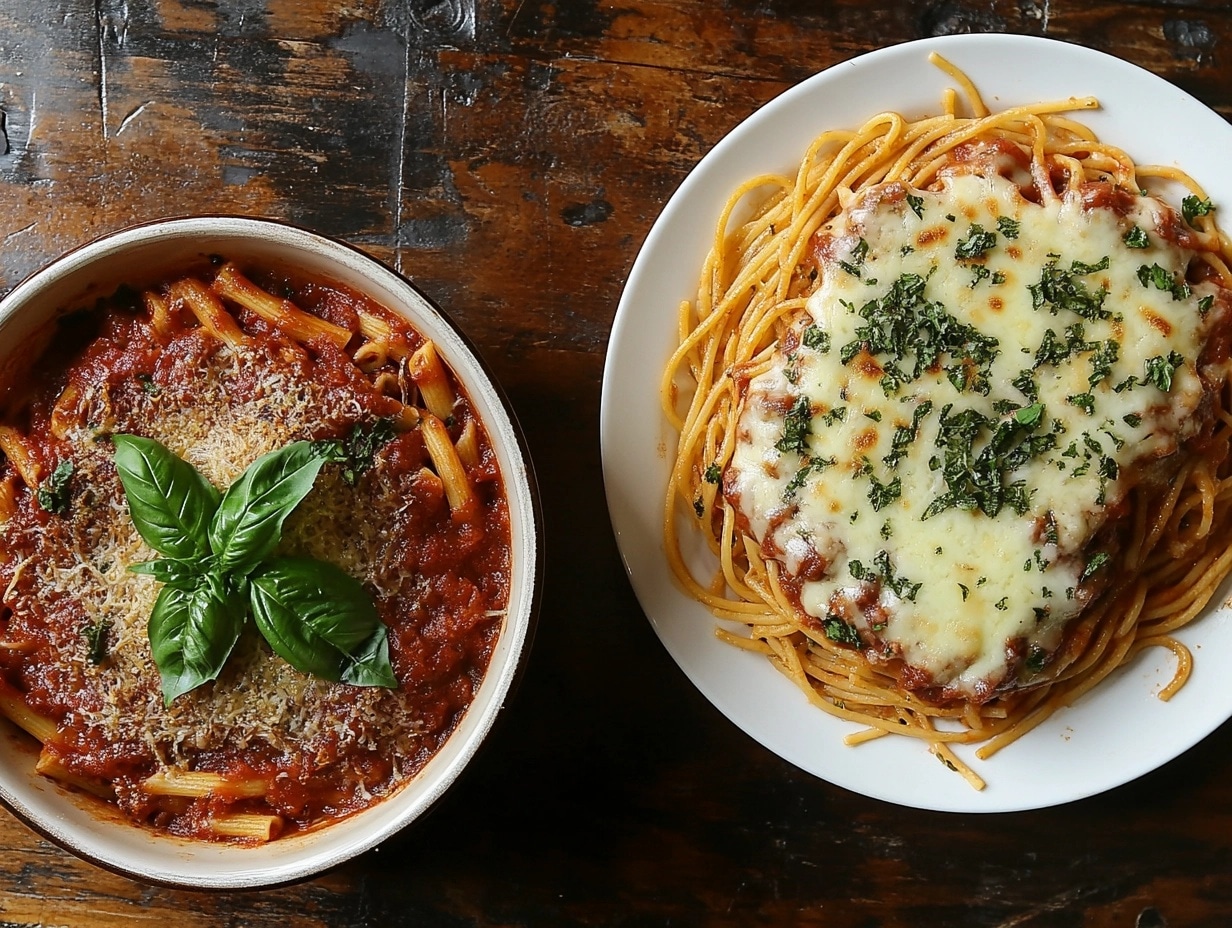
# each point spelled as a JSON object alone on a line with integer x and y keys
{"x": 357, "y": 451}
{"x": 977, "y": 242}
{"x": 1192, "y": 207}
{"x": 54, "y": 493}
{"x": 796, "y": 427}
{"x": 1007, "y": 226}
{"x": 218, "y": 567}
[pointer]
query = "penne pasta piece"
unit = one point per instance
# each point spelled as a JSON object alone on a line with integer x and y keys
{"x": 8, "y": 499}
{"x": 14, "y": 446}
{"x": 407, "y": 418}
{"x": 370, "y": 356}
{"x": 49, "y": 766}
{"x": 448, "y": 464}
{"x": 376, "y": 329}
{"x": 387, "y": 382}
{"x": 247, "y": 825}
{"x": 66, "y": 413}
{"x": 25, "y": 718}
{"x": 429, "y": 375}
{"x": 160, "y": 312}
{"x": 468, "y": 444}
{"x": 196, "y": 783}
{"x": 208, "y": 309}
{"x": 231, "y": 284}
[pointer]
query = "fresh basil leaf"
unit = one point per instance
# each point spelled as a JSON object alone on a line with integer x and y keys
{"x": 321, "y": 621}
{"x": 184, "y": 574}
{"x": 170, "y": 501}
{"x": 192, "y": 633}
{"x": 248, "y": 523}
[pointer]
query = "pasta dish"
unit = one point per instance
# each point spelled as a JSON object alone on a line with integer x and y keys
{"x": 952, "y": 406}
{"x": 254, "y": 551}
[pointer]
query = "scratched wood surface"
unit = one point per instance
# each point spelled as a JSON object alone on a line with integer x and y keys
{"x": 510, "y": 155}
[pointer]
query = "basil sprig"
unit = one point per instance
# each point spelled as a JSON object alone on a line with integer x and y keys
{"x": 218, "y": 567}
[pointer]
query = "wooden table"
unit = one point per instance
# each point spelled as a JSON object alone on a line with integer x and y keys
{"x": 510, "y": 156}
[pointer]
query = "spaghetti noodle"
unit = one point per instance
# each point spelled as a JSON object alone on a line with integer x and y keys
{"x": 853, "y": 434}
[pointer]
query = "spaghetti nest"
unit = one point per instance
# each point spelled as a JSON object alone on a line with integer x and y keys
{"x": 1173, "y": 537}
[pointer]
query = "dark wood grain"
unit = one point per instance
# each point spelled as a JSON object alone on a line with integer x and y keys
{"x": 510, "y": 156}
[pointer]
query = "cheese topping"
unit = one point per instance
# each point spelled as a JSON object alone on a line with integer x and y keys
{"x": 978, "y": 382}
{"x": 67, "y": 584}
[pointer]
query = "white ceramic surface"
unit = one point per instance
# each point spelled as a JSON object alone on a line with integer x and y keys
{"x": 77, "y": 822}
{"x": 1115, "y": 734}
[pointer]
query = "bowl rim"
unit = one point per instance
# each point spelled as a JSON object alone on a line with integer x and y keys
{"x": 521, "y": 488}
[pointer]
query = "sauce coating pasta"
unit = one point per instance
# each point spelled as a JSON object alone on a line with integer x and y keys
{"x": 221, "y": 365}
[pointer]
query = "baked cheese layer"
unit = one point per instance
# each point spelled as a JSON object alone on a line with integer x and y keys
{"x": 977, "y": 384}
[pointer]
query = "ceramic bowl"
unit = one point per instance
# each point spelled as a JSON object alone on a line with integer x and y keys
{"x": 92, "y": 830}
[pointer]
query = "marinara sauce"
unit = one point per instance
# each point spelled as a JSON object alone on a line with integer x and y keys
{"x": 274, "y": 743}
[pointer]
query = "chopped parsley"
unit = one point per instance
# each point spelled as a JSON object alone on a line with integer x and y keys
{"x": 978, "y": 454}
{"x": 1159, "y": 370}
{"x": 885, "y": 573}
{"x": 1192, "y": 208}
{"x": 816, "y": 338}
{"x": 796, "y": 427}
{"x": 882, "y": 494}
{"x": 96, "y": 641}
{"x": 53, "y": 493}
{"x": 1007, "y": 226}
{"x": 712, "y": 473}
{"x": 903, "y": 324}
{"x": 976, "y": 244}
{"x": 1084, "y": 401}
{"x": 1059, "y": 289}
{"x": 837, "y": 414}
{"x": 357, "y": 452}
{"x": 811, "y": 466}
{"x": 858, "y": 254}
{"x": 839, "y": 631}
{"x": 1163, "y": 279}
{"x": 1036, "y": 660}
{"x": 904, "y": 435}
{"x": 917, "y": 204}
{"x": 1095, "y": 563}
{"x": 1136, "y": 238}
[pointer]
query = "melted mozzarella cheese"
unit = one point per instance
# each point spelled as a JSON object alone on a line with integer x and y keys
{"x": 1066, "y": 362}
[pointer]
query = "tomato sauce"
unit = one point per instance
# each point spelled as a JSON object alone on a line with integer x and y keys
{"x": 73, "y": 641}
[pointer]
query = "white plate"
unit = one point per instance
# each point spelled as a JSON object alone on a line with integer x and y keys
{"x": 1118, "y": 732}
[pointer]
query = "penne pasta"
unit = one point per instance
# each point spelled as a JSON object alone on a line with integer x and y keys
{"x": 13, "y": 444}
{"x": 208, "y": 309}
{"x": 160, "y": 312}
{"x": 66, "y": 414}
{"x": 448, "y": 464}
{"x": 8, "y": 499}
{"x": 247, "y": 825}
{"x": 50, "y": 766}
{"x": 429, "y": 375}
{"x": 15, "y": 709}
{"x": 378, "y": 331}
{"x": 230, "y": 283}
{"x": 197, "y": 783}
{"x": 468, "y": 445}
